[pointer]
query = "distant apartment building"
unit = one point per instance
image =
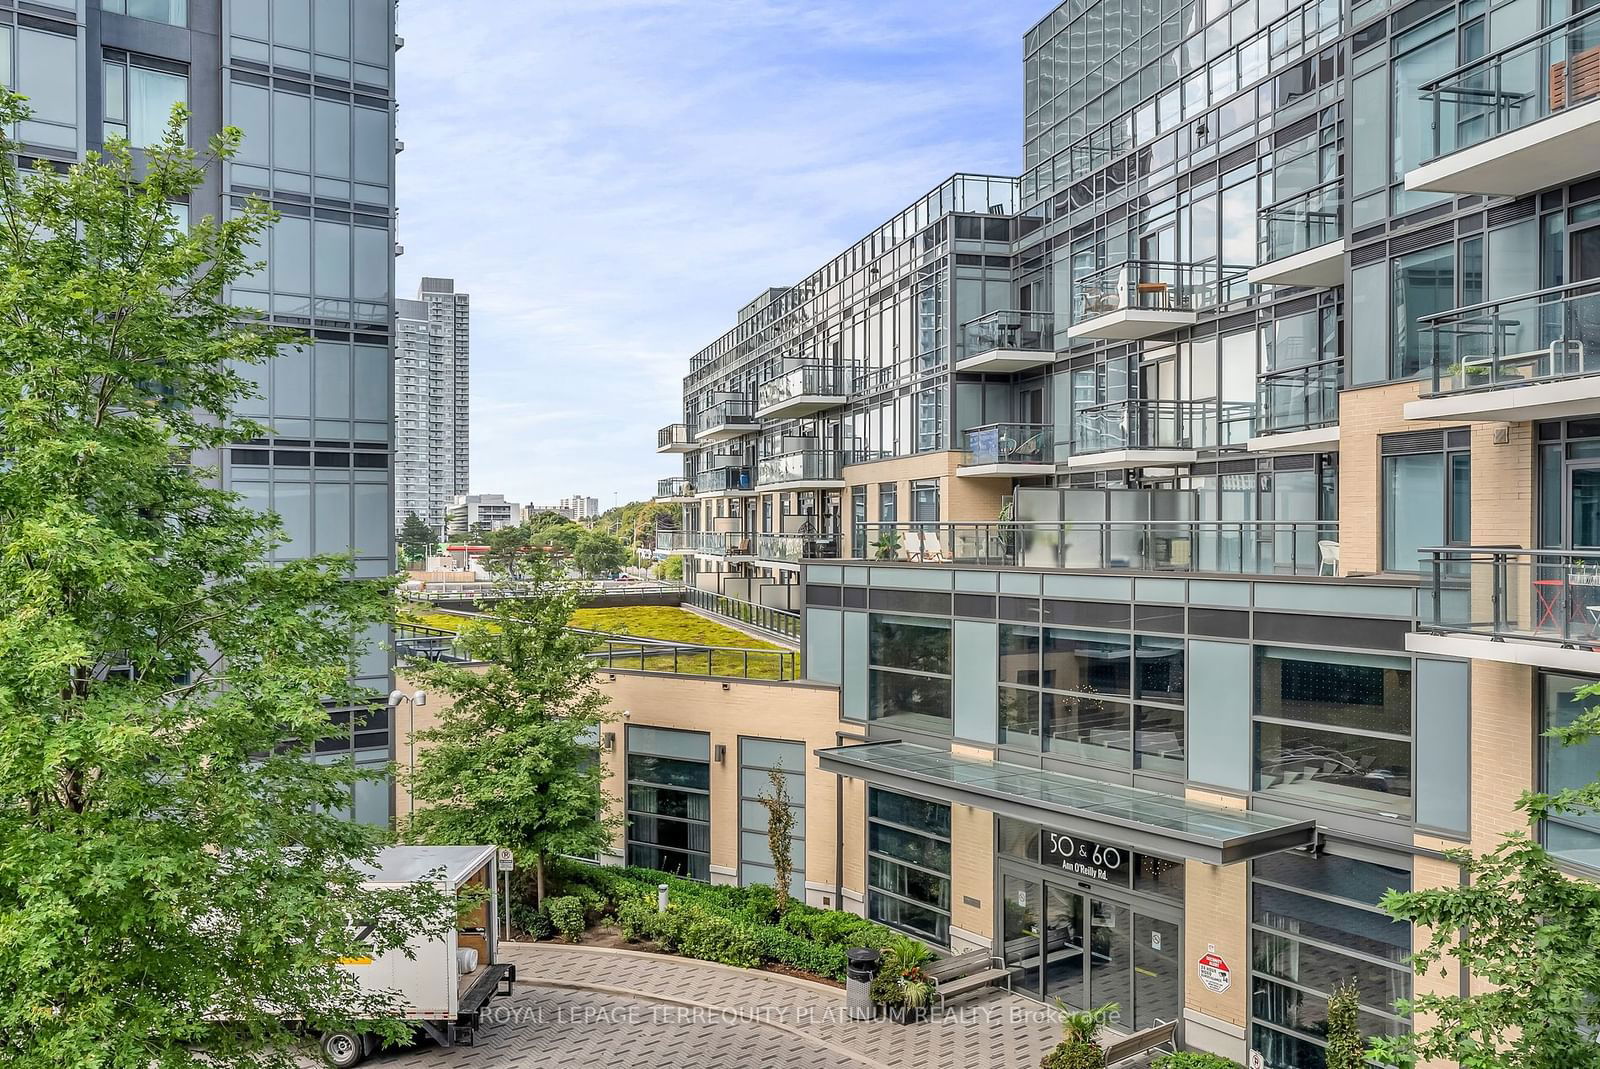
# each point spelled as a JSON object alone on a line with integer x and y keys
{"x": 481, "y": 513}
{"x": 580, "y": 507}
{"x": 432, "y": 379}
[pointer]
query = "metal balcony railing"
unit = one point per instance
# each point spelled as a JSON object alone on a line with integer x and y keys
{"x": 806, "y": 465}
{"x": 1499, "y": 592}
{"x": 708, "y": 543}
{"x": 1298, "y": 399}
{"x": 1009, "y": 330}
{"x": 1301, "y": 222}
{"x": 673, "y": 434}
{"x": 1157, "y": 286}
{"x": 676, "y": 486}
{"x": 724, "y": 414}
{"x": 1515, "y": 86}
{"x": 1242, "y": 547}
{"x": 1151, "y": 424}
{"x": 1535, "y": 337}
{"x": 720, "y": 480}
{"x": 1010, "y": 443}
{"x": 794, "y": 548}
{"x": 807, "y": 380}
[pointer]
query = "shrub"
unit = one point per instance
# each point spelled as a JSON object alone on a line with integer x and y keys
{"x": 1194, "y": 1059}
{"x": 710, "y": 937}
{"x": 634, "y": 918}
{"x": 566, "y": 916}
{"x": 1074, "y": 1054}
{"x": 537, "y": 924}
{"x": 1346, "y": 1048}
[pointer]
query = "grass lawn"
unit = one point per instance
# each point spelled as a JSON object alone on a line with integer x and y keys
{"x": 666, "y": 624}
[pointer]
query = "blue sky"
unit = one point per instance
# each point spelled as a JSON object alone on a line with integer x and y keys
{"x": 612, "y": 179}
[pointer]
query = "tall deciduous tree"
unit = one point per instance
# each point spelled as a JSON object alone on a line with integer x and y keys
{"x": 598, "y": 553}
{"x": 171, "y": 881}
{"x": 416, "y": 537}
{"x": 1525, "y": 929}
{"x": 513, "y": 759}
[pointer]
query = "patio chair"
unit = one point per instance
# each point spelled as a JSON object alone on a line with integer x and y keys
{"x": 932, "y": 551}
{"x": 911, "y": 550}
{"x": 1327, "y": 558}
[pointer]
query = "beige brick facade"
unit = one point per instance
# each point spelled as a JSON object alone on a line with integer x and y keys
{"x": 1216, "y": 920}
{"x": 961, "y": 500}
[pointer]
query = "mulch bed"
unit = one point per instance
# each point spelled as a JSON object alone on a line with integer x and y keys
{"x": 610, "y": 938}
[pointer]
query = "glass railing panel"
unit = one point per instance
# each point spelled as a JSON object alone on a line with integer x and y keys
{"x": 810, "y": 465}
{"x": 674, "y": 487}
{"x": 1302, "y": 222}
{"x": 1152, "y": 285}
{"x": 807, "y": 380}
{"x": 1010, "y": 443}
{"x": 1007, "y": 330}
{"x": 716, "y": 480}
{"x": 1146, "y": 424}
{"x": 1533, "y": 595}
{"x": 672, "y": 434}
{"x": 1544, "y": 336}
{"x": 1298, "y": 399}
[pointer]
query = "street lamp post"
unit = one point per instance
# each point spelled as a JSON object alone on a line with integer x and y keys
{"x": 411, "y": 701}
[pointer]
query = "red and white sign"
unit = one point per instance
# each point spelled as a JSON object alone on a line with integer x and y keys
{"x": 1215, "y": 974}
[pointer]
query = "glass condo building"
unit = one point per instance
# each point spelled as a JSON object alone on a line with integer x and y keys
{"x": 1202, "y": 528}
{"x": 310, "y": 83}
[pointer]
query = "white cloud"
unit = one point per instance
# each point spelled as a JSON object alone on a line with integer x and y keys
{"x": 612, "y": 179}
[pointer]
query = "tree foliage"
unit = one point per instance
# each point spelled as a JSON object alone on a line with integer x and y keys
{"x": 598, "y": 553}
{"x": 1524, "y": 928}
{"x": 417, "y": 539}
{"x": 671, "y": 568}
{"x": 511, "y": 761}
{"x": 780, "y": 834}
{"x": 171, "y": 879}
{"x": 1346, "y": 1050}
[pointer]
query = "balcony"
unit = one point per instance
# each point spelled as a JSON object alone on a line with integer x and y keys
{"x": 1297, "y": 410}
{"x": 1200, "y": 546}
{"x": 1514, "y": 606}
{"x": 1137, "y": 434}
{"x": 675, "y": 438}
{"x": 1532, "y": 357}
{"x": 1301, "y": 239}
{"x": 803, "y": 391}
{"x": 731, "y": 480}
{"x": 803, "y": 469}
{"x": 1002, "y": 342}
{"x": 789, "y": 550}
{"x": 717, "y": 544}
{"x": 1004, "y": 450}
{"x": 1148, "y": 298}
{"x": 724, "y": 420}
{"x": 1522, "y": 118}
{"x": 676, "y": 488}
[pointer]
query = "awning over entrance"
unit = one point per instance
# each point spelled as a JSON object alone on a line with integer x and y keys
{"x": 1146, "y": 820}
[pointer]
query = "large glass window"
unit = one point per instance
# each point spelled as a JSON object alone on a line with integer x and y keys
{"x": 1424, "y": 283}
{"x": 1334, "y": 728}
{"x": 910, "y": 672}
{"x": 172, "y": 12}
{"x": 1573, "y": 836}
{"x": 669, "y": 801}
{"x": 908, "y": 864}
{"x": 1427, "y": 497}
{"x": 47, "y": 74}
{"x": 1315, "y": 924}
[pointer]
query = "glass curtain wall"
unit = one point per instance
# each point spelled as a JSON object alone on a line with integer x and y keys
{"x": 908, "y": 864}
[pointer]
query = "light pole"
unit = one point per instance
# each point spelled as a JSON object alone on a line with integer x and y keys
{"x": 411, "y": 701}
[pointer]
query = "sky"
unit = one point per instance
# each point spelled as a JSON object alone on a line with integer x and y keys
{"x": 611, "y": 180}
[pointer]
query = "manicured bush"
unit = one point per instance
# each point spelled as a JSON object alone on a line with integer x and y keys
{"x": 1074, "y": 1054}
{"x": 1194, "y": 1059}
{"x": 566, "y": 916}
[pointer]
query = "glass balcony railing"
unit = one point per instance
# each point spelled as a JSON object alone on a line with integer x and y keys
{"x": 1536, "y": 337}
{"x": 1226, "y": 547}
{"x": 725, "y": 415}
{"x": 1157, "y": 286}
{"x": 1301, "y": 222}
{"x": 1298, "y": 399}
{"x": 1146, "y": 424}
{"x": 794, "y": 548}
{"x": 1515, "y": 86}
{"x": 1009, "y": 331}
{"x": 677, "y": 486}
{"x": 721, "y": 480}
{"x": 807, "y": 380}
{"x": 673, "y": 434}
{"x": 806, "y": 465}
{"x": 1010, "y": 443}
{"x": 708, "y": 543}
{"x": 1533, "y": 595}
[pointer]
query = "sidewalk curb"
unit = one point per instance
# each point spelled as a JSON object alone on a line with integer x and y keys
{"x": 851, "y": 1056}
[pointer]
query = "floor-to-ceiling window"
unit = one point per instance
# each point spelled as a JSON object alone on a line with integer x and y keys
{"x": 910, "y": 675}
{"x": 1427, "y": 495}
{"x": 908, "y": 864}
{"x": 1573, "y": 836}
{"x": 669, "y": 800}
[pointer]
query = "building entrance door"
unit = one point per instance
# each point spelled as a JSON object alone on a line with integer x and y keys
{"x": 1088, "y": 948}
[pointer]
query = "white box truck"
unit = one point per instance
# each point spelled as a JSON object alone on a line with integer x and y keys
{"x": 448, "y": 980}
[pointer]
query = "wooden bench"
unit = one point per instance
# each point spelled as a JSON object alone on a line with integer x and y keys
{"x": 961, "y": 974}
{"x": 1161, "y": 1037}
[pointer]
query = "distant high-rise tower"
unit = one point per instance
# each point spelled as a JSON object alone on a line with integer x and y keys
{"x": 432, "y": 379}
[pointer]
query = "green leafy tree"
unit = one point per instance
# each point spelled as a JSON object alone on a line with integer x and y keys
{"x": 780, "y": 834}
{"x": 508, "y": 548}
{"x": 172, "y": 883}
{"x": 513, "y": 759}
{"x": 671, "y": 568}
{"x": 598, "y": 553}
{"x": 1525, "y": 928}
{"x": 1346, "y": 1049}
{"x": 416, "y": 537}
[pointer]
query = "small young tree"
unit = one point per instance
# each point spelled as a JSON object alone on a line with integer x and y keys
{"x": 173, "y": 882}
{"x": 598, "y": 553}
{"x": 416, "y": 537}
{"x": 1346, "y": 1049}
{"x": 513, "y": 759}
{"x": 1525, "y": 928}
{"x": 780, "y": 834}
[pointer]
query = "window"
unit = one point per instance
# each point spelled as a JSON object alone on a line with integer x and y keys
{"x": 47, "y": 74}
{"x": 758, "y": 759}
{"x": 925, "y": 501}
{"x": 1427, "y": 495}
{"x": 1571, "y": 836}
{"x": 139, "y": 101}
{"x": 669, "y": 801}
{"x": 909, "y": 679}
{"x": 908, "y": 864}
{"x": 171, "y": 12}
{"x": 1334, "y": 728}
{"x": 1315, "y": 924}
{"x": 858, "y": 522}
{"x": 930, "y": 420}
{"x": 1424, "y": 282}
{"x": 887, "y": 502}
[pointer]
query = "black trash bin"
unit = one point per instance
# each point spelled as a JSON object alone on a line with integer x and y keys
{"x": 861, "y": 968}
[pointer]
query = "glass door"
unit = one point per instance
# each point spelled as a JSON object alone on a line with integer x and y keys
{"x": 1065, "y": 975}
{"x": 1019, "y": 899}
{"x": 1583, "y": 507}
